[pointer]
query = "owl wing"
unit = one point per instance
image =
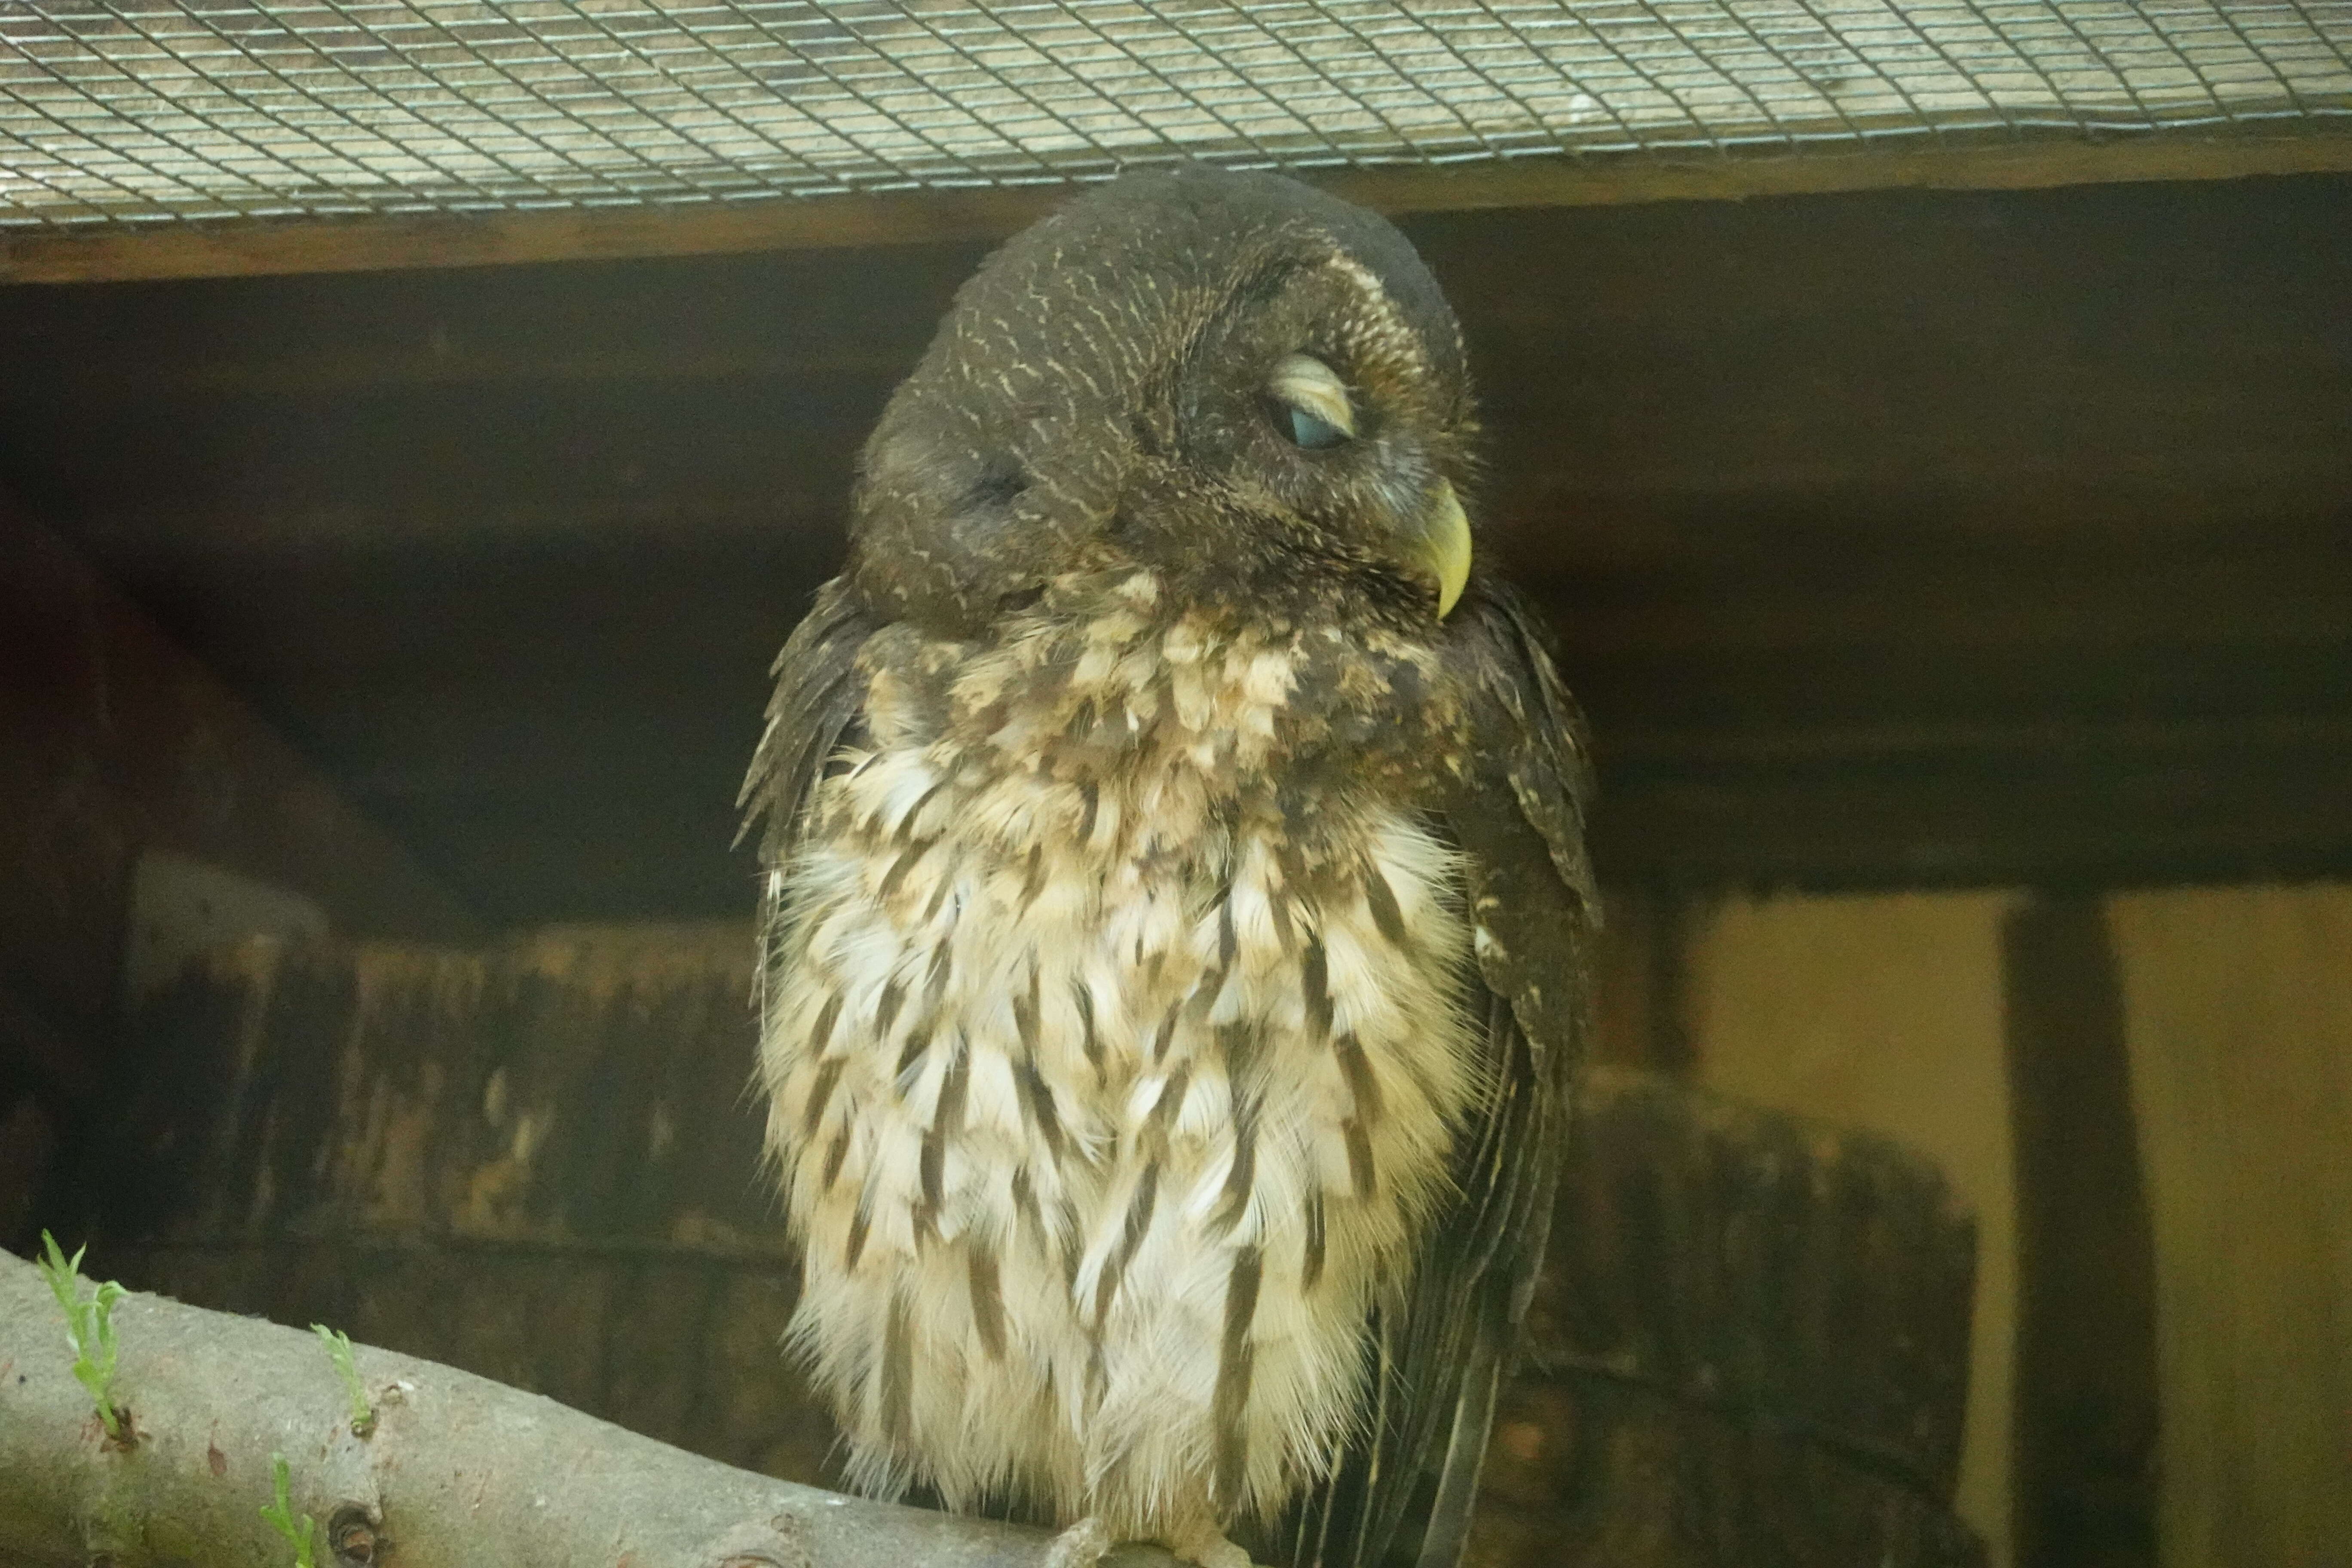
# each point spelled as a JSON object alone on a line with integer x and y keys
{"x": 1434, "y": 1359}
{"x": 811, "y": 713}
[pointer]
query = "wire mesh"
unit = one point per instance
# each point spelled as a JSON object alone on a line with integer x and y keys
{"x": 154, "y": 112}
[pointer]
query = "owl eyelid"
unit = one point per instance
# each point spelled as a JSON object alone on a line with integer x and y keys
{"x": 1305, "y": 383}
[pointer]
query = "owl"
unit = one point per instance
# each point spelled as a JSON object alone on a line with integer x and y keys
{"x": 1174, "y": 897}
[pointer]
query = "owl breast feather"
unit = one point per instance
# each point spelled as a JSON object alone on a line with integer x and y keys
{"x": 1113, "y": 1054}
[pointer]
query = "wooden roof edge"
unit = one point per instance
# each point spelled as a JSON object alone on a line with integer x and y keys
{"x": 167, "y": 249}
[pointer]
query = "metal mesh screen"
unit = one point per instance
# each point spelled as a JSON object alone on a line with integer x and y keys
{"x": 145, "y": 112}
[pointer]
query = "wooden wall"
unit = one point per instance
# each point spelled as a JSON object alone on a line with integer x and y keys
{"x": 2239, "y": 1010}
{"x": 2223, "y": 1438}
{"x": 1883, "y": 1014}
{"x": 123, "y": 758}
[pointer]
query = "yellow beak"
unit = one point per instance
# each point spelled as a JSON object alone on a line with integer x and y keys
{"x": 1446, "y": 546}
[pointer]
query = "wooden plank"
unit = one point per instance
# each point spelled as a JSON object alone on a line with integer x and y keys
{"x": 174, "y": 249}
{"x": 2237, "y": 1009}
{"x": 1883, "y": 1014}
{"x": 120, "y": 754}
{"x": 579, "y": 1082}
{"x": 1750, "y": 1345}
{"x": 2085, "y": 1424}
{"x": 2094, "y": 809}
{"x": 114, "y": 741}
{"x": 171, "y": 249}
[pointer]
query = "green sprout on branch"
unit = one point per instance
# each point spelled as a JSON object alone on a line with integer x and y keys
{"x": 338, "y": 1351}
{"x": 281, "y": 1517}
{"x": 89, "y": 1330}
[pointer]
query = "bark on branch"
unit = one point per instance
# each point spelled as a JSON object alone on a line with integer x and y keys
{"x": 459, "y": 1471}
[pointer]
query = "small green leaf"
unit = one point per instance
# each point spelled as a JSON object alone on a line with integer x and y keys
{"x": 89, "y": 1326}
{"x": 281, "y": 1517}
{"x": 338, "y": 1351}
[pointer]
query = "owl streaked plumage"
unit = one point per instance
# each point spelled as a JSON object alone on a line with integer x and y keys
{"x": 1175, "y": 899}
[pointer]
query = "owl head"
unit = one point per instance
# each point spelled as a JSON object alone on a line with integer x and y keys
{"x": 1246, "y": 385}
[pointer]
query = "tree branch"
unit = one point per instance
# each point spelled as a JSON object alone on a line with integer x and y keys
{"x": 459, "y": 1471}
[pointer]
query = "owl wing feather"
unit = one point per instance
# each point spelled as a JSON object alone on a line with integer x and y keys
{"x": 812, "y": 710}
{"x": 1434, "y": 1359}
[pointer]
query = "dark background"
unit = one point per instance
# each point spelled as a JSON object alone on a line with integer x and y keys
{"x": 1897, "y": 539}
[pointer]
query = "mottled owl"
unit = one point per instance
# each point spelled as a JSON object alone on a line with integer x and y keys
{"x": 1174, "y": 896}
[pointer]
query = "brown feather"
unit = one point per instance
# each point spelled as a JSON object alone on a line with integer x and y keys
{"x": 1382, "y": 901}
{"x": 1165, "y": 1109}
{"x": 947, "y": 1120}
{"x": 1358, "y": 1071}
{"x": 1310, "y": 1267}
{"x": 1084, "y": 995}
{"x": 1315, "y": 987}
{"x": 1240, "y": 1044}
{"x": 1278, "y": 906}
{"x": 900, "y": 867}
{"x": 1233, "y": 1202}
{"x": 939, "y": 891}
{"x": 1359, "y": 1157}
{"x": 1037, "y": 1100}
{"x": 1230, "y": 1404}
{"x": 821, "y": 1032}
{"x": 1025, "y": 1008}
{"x": 1024, "y": 1206}
{"x": 812, "y": 1116}
{"x": 919, "y": 1040}
{"x": 856, "y": 1247}
{"x": 1139, "y": 1222}
{"x": 906, "y": 833}
{"x": 987, "y": 1300}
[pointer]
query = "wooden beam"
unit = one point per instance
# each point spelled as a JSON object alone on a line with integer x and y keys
{"x": 1958, "y": 165}
{"x": 2086, "y": 1418}
{"x": 189, "y": 249}
{"x": 235, "y": 250}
